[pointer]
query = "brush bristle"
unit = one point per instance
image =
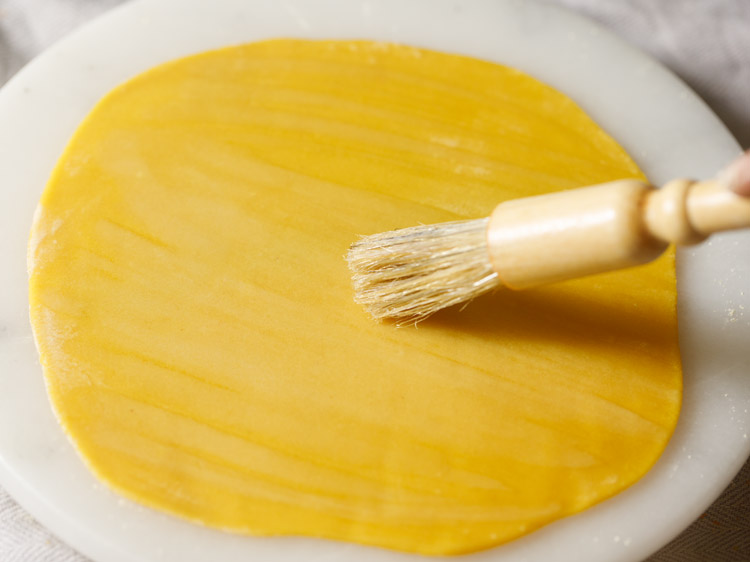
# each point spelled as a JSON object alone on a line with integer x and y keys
{"x": 408, "y": 274}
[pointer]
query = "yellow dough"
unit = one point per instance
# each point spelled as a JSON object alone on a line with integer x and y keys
{"x": 194, "y": 314}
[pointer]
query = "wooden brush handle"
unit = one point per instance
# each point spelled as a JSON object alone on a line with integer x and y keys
{"x": 580, "y": 232}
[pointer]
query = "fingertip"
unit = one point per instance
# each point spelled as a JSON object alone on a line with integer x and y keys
{"x": 737, "y": 175}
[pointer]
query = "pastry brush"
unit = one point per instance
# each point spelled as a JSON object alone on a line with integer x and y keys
{"x": 408, "y": 274}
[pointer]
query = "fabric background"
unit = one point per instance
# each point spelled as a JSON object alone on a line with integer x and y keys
{"x": 706, "y": 42}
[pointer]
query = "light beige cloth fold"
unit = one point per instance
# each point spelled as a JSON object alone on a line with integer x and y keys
{"x": 706, "y": 42}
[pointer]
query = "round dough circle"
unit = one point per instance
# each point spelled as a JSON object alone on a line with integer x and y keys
{"x": 194, "y": 317}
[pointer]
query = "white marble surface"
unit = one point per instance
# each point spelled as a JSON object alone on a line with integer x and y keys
{"x": 652, "y": 114}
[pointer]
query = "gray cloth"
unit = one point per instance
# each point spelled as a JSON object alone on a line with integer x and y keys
{"x": 707, "y": 43}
